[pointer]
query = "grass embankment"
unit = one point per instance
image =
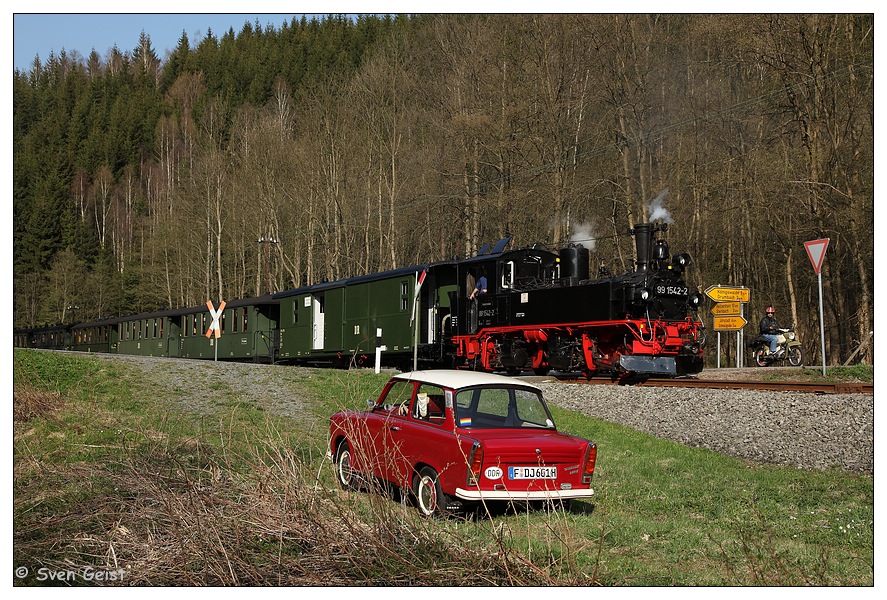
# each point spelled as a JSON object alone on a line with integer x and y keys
{"x": 112, "y": 476}
{"x": 852, "y": 374}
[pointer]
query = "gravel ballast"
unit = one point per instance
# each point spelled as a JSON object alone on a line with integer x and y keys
{"x": 817, "y": 431}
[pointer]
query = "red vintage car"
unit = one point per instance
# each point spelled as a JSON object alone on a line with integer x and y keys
{"x": 456, "y": 438}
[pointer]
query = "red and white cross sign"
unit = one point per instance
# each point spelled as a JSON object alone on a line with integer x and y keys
{"x": 216, "y": 315}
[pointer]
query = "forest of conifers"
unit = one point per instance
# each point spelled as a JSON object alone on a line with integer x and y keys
{"x": 270, "y": 158}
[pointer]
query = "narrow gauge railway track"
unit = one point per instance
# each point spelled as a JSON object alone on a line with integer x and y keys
{"x": 720, "y": 384}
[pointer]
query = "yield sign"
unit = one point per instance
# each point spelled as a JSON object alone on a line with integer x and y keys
{"x": 816, "y": 252}
{"x": 216, "y": 315}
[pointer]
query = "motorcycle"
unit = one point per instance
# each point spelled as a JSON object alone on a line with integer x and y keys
{"x": 788, "y": 349}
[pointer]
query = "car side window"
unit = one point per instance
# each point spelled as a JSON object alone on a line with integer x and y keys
{"x": 430, "y": 403}
{"x": 397, "y": 401}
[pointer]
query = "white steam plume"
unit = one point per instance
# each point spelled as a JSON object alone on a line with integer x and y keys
{"x": 583, "y": 234}
{"x": 657, "y": 211}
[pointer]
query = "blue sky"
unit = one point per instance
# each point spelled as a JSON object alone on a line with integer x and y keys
{"x": 39, "y": 34}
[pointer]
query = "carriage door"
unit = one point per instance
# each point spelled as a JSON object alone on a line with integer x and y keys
{"x": 317, "y": 330}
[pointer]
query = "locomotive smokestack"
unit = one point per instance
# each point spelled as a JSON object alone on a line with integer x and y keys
{"x": 574, "y": 263}
{"x": 643, "y": 237}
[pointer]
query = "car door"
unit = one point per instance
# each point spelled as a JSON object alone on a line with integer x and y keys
{"x": 382, "y": 449}
{"x": 423, "y": 437}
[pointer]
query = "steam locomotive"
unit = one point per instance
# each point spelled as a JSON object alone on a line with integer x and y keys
{"x": 541, "y": 312}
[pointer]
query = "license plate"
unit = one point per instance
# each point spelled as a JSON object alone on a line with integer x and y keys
{"x": 532, "y": 472}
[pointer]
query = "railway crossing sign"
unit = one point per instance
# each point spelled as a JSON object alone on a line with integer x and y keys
{"x": 720, "y": 293}
{"x": 731, "y": 323}
{"x": 214, "y": 328}
{"x": 726, "y": 309}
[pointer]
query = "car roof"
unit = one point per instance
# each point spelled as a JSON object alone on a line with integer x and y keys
{"x": 454, "y": 379}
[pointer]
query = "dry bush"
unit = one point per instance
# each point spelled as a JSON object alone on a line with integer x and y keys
{"x": 29, "y": 402}
{"x": 187, "y": 516}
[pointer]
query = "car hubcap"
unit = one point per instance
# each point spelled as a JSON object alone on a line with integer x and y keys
{"x": 345, "y": 468}
{"x": 427, "y": 495}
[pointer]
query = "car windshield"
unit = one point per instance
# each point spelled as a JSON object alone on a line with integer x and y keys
{"x": 501, "y": 407}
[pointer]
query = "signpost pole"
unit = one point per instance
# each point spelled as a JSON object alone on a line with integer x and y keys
{"x": 728, "y": 310}
{"x": 816, "y": 252}
{"x": 821, "y": 326}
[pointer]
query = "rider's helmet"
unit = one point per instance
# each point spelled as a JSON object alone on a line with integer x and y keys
{"x": 770, "y": 310}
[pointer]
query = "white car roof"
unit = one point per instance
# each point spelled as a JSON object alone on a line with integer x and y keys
{"x": 451, "y": 378}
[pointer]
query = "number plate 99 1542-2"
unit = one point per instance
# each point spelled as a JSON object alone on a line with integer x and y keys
{"x": 532, "y": 472}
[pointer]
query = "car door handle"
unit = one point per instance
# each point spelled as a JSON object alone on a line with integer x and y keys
{"x": 394, "y": 428}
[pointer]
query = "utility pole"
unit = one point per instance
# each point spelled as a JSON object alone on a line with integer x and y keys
{"x": 267, "y": 241}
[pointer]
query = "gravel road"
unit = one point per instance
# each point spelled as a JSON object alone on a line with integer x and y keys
{"x": 817, "y": 431}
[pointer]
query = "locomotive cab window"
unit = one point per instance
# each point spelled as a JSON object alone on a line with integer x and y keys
{"x": 507, "y": 275}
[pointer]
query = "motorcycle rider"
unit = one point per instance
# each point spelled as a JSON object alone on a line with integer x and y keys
{"x": 769, "y": 329}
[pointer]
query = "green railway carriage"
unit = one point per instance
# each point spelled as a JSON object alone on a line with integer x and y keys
{"x": 53, "y": 337}
{"x": 248, "y": 331}
{"x": 97, "y": 336}
{"x": 150, "y": 334}
{"x": 337, "y": 322}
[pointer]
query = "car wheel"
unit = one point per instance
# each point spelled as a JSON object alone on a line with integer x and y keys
{"x": 344, "y": 473}
{"x": 430, "y": 499}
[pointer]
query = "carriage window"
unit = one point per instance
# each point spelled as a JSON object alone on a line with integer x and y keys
{"x": 235, "y": 323}
{"x": 245, "y": 314}
{"x": 404, "y": 299}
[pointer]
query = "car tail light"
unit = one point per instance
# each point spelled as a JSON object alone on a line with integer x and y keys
{"x": 475, "y": 463}
{"x": 588, "y": 464}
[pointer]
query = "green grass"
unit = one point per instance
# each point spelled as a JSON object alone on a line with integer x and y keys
{"x": 109, "y": 471}
{"x": 855, "y": 374}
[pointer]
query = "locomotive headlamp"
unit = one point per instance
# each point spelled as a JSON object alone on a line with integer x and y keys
{"x": 695, "y": 299}
{"x": 681, "y": 261}
{"x": 642, "y": 294}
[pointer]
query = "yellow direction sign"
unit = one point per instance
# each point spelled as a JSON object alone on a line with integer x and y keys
{"x": 729, "y": 323}
{"x": 728, "y": 294}
{"x": 727, "y": 308}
